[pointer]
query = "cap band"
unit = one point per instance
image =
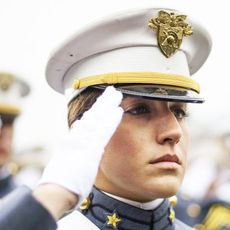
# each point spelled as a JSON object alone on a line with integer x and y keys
{"x": 138, "y": 77}
{"x": 9, "y": 109}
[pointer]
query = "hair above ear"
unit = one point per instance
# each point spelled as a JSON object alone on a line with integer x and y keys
{"x": 82, "y": 103}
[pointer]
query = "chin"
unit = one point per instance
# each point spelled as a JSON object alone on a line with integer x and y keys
{"x": 168, "y": 193}
{"x": 164, "y": 189}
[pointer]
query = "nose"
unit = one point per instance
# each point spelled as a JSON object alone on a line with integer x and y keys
{"x": 169, "y": 130}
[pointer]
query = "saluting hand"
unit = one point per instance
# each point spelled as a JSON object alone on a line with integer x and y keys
{"x": 76, "y": 159}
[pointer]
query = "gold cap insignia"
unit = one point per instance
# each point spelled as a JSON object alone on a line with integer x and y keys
{"x": 171, "y": 29}
{"x": 6, "y": 80}
{"x": 113, "y": 220}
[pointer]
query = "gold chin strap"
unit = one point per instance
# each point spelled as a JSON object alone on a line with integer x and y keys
{"x": 9, "y": 109}
{"x": 138, "y": 77}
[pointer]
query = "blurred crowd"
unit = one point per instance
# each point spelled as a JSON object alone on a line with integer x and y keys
{"x": 15, "y": 168}
{"x": 204, "y": 199}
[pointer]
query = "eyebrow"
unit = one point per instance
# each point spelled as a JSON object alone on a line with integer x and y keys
{"x": 171, "y": 103}
{"x": 180, "y": 104}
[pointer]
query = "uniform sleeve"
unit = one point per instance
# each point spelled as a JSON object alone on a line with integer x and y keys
{"x": 21, "y": 211}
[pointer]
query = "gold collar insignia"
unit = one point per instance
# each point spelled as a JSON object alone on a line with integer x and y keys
{"x": 113, "y": 220}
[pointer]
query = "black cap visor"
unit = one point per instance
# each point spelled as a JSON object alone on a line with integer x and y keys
{"x": 158, "y": 92}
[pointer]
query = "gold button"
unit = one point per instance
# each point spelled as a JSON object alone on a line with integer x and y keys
{"x": 85, "y": 204}
{"x": 173, "y": 200}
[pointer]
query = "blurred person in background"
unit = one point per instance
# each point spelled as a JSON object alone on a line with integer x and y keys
{"x": 204, "y": 199}
{"x": 12, "y": 90}
{"x": 29, "y": 164}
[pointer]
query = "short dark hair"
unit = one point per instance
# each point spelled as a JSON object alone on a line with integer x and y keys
{"x": 7, "y": 118}
{"x": 82, "y": 103}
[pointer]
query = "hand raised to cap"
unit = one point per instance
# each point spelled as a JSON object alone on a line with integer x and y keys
{"x": 76, "y": 158}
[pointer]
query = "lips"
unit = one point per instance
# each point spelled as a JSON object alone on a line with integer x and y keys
{"x": 166, "y": 158}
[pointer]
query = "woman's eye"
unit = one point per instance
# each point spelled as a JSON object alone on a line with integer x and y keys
{"x": 137, "y": 110}
{"x": 180, "y": 113}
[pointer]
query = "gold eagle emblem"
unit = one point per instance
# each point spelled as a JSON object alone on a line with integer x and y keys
{"x": 171, "y": 30}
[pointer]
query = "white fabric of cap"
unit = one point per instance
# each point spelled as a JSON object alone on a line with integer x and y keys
{"x": 130, "y": 59}
{"x": 13, "y": 95}
{"x": 122, "y": 33}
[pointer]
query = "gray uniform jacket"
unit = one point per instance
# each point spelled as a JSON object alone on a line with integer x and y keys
{"x": 7, "y": 185}
{"x": 109, "y": 213}
{"x": 21, "y": 211}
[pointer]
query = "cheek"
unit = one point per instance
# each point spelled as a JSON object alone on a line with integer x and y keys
{"x": 127, "y": 141}
{"x": 185, "y": 140}
{"x": 184, "y": 146}
{"x": 122, "y": 153}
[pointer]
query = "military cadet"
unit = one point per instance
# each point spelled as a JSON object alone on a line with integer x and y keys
{"x": 140, "y": 126}
{"x": 11, "y": 90}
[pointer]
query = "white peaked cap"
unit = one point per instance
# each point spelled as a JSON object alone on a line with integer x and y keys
{"x": 123, "y": 47}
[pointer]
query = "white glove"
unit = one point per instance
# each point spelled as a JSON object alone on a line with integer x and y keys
{"x": 76, "y": 159}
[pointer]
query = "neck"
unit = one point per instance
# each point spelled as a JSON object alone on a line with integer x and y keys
{"x": 145, "y": 205}
{"x": 108, "y": 211}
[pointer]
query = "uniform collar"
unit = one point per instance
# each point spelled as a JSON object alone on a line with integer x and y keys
{"x": 108, "y": 212}
{"x": 146, "y": 206}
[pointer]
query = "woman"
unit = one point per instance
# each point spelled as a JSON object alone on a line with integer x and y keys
{"x": 148, "y": 55}
{"x": 135, "y": 162}
{"x": 143, "y": 162}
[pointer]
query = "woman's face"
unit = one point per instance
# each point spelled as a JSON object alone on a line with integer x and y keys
{"x": 146, "y": 157}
